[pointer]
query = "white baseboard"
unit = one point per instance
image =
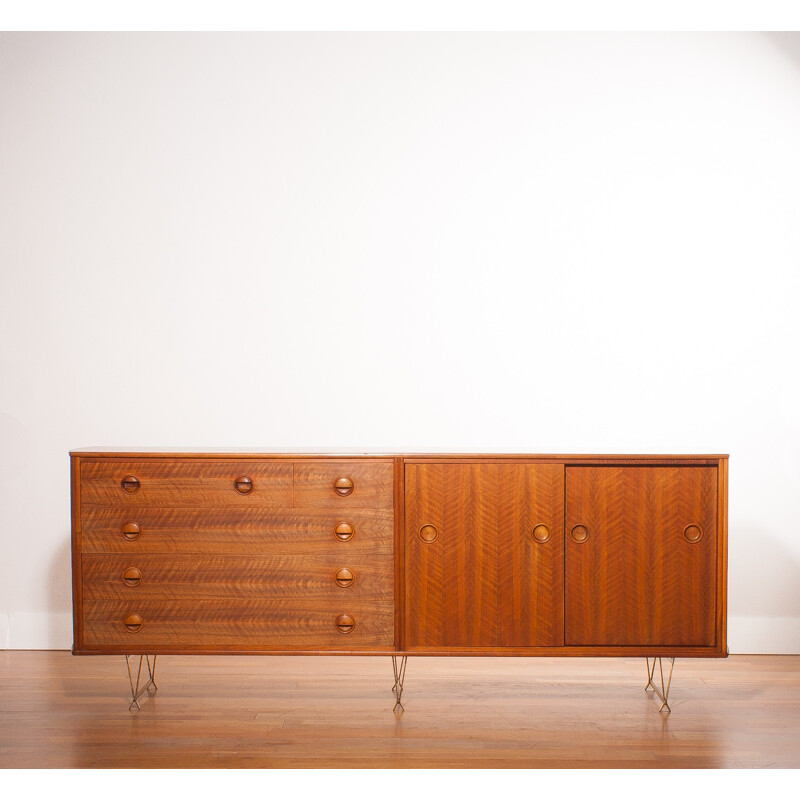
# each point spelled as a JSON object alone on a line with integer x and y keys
{"x": 53, "y": 631}
{"x": 761, "y": 635}
{"x": 39, "y": 630}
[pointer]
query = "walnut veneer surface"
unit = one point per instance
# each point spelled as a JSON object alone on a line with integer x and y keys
{"x": 424, "y": 554}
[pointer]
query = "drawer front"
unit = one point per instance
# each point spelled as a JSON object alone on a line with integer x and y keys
{"x": 185, "y": 483}
{"x": 237, "y": 530}
{"x": 344, "y": 484}
{"x": 330, "y": 579}
{"x": 235, "y": 624}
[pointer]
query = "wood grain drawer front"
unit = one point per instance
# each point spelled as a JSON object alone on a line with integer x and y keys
{"x": 641, "y": 555}
{"x": 235, "y": 624}
{"x": 344, "y": 484}
{"x": 297, "y": 577}
{"x": 236, "y": 530}
{"x": 209, "y": 483}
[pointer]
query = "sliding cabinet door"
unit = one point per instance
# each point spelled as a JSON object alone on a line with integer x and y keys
{"x": 641, "y": 555}
{"x": 484, "y": 555}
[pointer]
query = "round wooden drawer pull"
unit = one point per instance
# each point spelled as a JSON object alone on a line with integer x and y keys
{"x": 344, "y": 577}
{"x": 428, "y": 533}
{"x": 345, "y": 623}
{"x": 130, "y": 483}
{"x": 344, "y": 531}
{"x": 579, "y": 534}
{"x": 693, "y": 533}
{"x": 243, "y": 485}
{"x": 133, "y": 623}
{"x": 132, "y": 576}
{"x": 541, "y": 533}
{"x": 343, "y": 487}
{"x": 131, "y": 531}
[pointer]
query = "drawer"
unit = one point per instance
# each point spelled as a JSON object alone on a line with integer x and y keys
{"x": 131, "y": 578}
{"x": 209, "y": 483}
{"x": 236, "y": 530}
{"x": 344, "y": 484}
{"x": 234, "y": 624}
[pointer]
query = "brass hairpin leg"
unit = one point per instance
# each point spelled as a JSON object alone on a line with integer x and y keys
{"x": 137, "y": 692}
{"x": 399, "y": 677}
{"x": 663, "y": 693}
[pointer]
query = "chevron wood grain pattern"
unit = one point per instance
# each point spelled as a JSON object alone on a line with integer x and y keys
{"x": 483, "y": 582}
{"x": 236, "y": 530}
{"x": 244, "y": 624}
{"x": 194, "y": 577}
{"x": 373, "y": 484}
{"x": 185, "y": 482}
{"x": 636, "y": 580}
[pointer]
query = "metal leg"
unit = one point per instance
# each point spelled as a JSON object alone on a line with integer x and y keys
{"x": 399, "y": 677}
{"x": 663, "y": 692}
{"x": 137, "y": 692}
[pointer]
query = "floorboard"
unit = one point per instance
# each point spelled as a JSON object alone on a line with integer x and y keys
{"x": 58, "y": 710}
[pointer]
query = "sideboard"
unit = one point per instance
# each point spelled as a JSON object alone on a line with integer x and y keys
{"x": 398, "y": 555}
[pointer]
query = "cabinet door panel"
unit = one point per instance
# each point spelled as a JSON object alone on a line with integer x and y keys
{"x": 634, "y": 574}
{"x": 484, "y": 581}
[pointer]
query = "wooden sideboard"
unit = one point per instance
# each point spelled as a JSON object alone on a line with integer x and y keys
{"x": 398, "y": 554}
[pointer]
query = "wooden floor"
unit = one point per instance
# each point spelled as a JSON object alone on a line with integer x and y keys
{"x": 57, "y": 710}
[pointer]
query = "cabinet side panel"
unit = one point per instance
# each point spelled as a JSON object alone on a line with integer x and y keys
{"x": 722, "y": 559}
{"x": 77, "y": 603}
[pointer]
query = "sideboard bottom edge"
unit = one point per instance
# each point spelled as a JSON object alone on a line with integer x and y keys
{"x": 527, "y": 652}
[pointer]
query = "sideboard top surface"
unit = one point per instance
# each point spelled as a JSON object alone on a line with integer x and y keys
{"x": 216, "y": 452}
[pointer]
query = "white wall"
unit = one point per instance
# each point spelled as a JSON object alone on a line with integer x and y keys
{"x": 514, "y": 242}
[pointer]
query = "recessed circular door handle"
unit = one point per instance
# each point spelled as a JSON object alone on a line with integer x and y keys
{"x": 344, "y": 531}
{"x": 693, "y": 533}
{"x": 579, "y": 534}
{"x": 130, "y": 483}
{"x": 131, "y": 531}
{"x": 428, "y": 533}
{"x": 345, "y": 623}
{"x": 133, "y": 623}
{"x": 344, "y": 577}
{"x": 132, "y": 576}
{"x": 541, "y": 533}
{"x": 243, "y": 485}
{"x": 343, "y": 486}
